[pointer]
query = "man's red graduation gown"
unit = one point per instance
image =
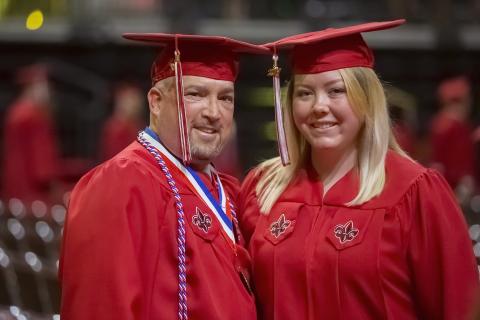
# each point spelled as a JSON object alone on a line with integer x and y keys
{"x": 119, "y": 254}
{"x": 30, "y": 157}
{"x": 402, "y": 255}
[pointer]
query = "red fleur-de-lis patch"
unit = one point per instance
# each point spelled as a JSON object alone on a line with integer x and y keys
{"x": 345, "y": 232}
{"x": 202, "y": 220}
{"x": 280, "y": 226}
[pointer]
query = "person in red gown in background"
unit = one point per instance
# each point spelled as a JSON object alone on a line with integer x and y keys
{"x": 352, "y": 228}
{"x": 126, "y": 121}
{"x": 452, "y": 148}
{"x": 476, "y": 142}
{"x": 30, "y": 155}
{"x": 403, "y": 113}
{"x": 151, "y": 233}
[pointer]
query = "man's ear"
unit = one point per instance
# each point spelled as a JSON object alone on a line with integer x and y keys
{"x": 155, "y": 97}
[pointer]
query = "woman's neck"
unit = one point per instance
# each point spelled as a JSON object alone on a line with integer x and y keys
{"x": 331, "y": 166}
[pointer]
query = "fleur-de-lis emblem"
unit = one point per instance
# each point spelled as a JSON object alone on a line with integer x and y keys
{"x": 345, "y": 232}
{"x": 280, "y": 226}
{"x": 202, "y": 220}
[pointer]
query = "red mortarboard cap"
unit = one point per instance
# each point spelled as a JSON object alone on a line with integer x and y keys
{"x": 453, "y": 89}
{"x": 332, "y": 48}
{"x": 212, "y": 57}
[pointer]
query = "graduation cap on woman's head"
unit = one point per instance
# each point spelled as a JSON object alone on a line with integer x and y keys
{"x": 320, "y": 51}
{"x": 213, "y": 57}
{"x": 332, "y": 48}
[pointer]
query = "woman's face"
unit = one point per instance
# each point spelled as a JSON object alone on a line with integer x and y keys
{"x": 322, "y": 112}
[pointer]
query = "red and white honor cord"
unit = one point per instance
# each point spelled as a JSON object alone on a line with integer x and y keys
{"x": 181, "y": 236}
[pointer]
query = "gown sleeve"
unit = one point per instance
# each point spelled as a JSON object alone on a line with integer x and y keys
{"x": 249, "y": 210}
{"x": 109, "y": 245}
{"x": 440, "y": 255}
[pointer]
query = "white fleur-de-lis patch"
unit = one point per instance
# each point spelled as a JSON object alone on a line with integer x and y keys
{"x": 280, "y": 226}
{"x": 202, "y": 220}
{"x": 346, "y": 232}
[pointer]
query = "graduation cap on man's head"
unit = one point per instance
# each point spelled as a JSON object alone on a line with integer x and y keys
{"x": 213, "y": 57}
{"x": 320, "y": 51}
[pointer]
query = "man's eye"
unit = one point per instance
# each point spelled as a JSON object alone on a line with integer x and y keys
{"x": 228, "y": 99}
{"x": 192, "y": 94}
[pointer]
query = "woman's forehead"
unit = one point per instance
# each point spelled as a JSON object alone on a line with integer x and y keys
{"x": 320, "y": 78}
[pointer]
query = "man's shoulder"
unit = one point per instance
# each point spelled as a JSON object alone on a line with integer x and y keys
{"x": 131, "y": 166}
{"x": 133, "y": 158}
{"x": 226, "y": 178}
{"x": 231, "y": 184}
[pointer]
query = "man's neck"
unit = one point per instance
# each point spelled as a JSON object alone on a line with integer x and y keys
{"x": 201, "y": 166}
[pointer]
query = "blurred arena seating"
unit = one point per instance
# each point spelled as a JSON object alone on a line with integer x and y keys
{"x": 472, "y": 214}
{"x": 30, "y": 239}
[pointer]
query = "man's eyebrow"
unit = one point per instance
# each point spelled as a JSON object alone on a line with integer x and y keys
{"x": 194, "y": 86}
{"x": 227, "y": 90}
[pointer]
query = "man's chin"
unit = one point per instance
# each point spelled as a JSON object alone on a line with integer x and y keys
{"x": 205, "y": 154}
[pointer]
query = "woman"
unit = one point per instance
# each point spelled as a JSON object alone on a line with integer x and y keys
{"x": 352, "y": 228}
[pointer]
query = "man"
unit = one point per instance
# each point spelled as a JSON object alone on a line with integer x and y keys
{"x": 146, "y": 236}
{"x": 31, "y": 155}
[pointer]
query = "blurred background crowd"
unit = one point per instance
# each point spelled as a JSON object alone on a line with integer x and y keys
{"x": 72, "y": 94}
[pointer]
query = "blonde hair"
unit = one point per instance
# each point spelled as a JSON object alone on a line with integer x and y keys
{"x": 367, "y": 97}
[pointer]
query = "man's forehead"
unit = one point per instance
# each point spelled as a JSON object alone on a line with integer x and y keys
{"x": 197, "y": 81}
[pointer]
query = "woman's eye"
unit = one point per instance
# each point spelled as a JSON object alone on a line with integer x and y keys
{"x": 302, "y": 93}
{"x": 337, "y": 91}
{"x": 192, "y": 94}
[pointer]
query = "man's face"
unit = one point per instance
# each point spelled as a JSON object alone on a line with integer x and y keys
{"x": 209, "y": 105}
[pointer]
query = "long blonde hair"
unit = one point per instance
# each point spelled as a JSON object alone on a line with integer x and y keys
{"x": 367, "y": 97}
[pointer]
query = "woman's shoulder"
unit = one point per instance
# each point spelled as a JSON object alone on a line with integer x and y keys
{"x": 401, "y": 169}
{"x": 402, "y": 174}
{"x": 256, "y": 173}
{"x": 249, "y": 208}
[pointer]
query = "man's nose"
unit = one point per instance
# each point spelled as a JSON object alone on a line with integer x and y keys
{"x": 212, "y": 110}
